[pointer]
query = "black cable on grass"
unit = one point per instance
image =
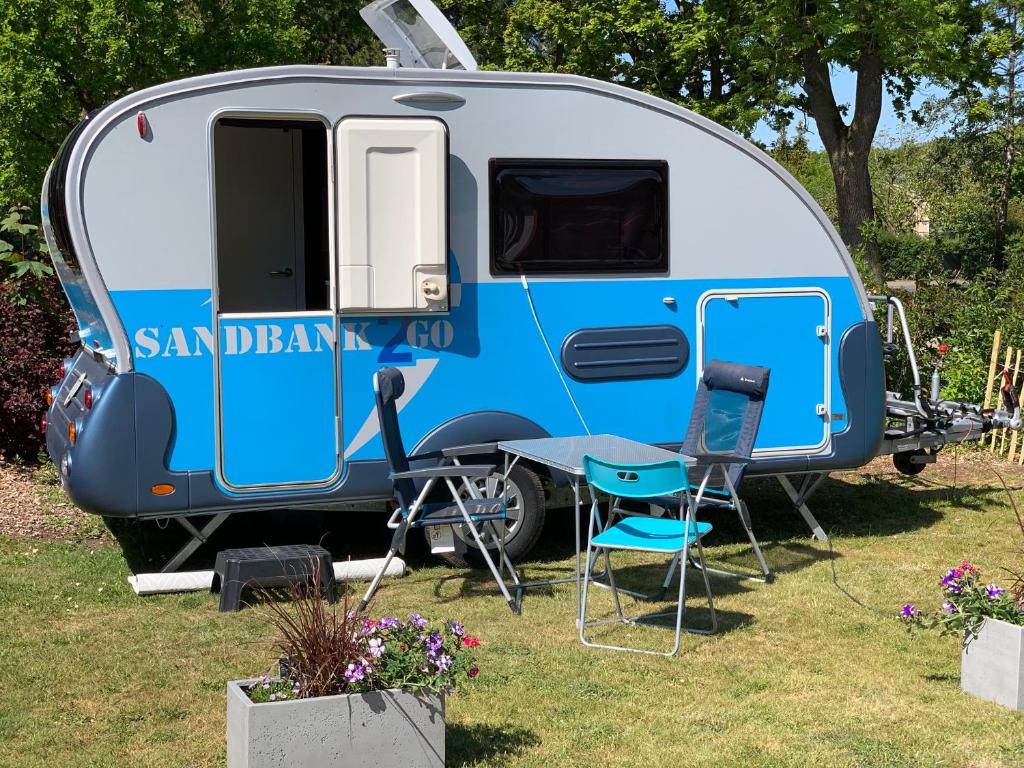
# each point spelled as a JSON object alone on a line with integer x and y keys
{"x": 843, "y": 590}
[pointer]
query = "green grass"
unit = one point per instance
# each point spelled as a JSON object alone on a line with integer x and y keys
{"x": 91, "y": 675}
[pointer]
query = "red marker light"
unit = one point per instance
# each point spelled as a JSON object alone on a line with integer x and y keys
{"x": 943, "y": 349}
{"x": 87, "y": 398}
{"x": 43, "y": 424}
{"x": 140, "y": 120}
{"x": 63, "y": 368}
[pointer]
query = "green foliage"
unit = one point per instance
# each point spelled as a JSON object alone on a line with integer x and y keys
{"x": 690, "y": 55}
{"x": 810, "y": 168}
{"x": 335, "y": 34}
{"x": 23, "y": 254}
{"x": 60, "y": 59}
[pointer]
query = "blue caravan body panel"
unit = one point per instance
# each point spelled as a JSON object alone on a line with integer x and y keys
{"x": 242, "y": 405}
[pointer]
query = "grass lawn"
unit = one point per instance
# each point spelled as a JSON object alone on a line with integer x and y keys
{"x": 799, "y": 675}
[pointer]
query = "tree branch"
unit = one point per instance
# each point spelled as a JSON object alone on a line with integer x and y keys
{"x": 818, "y": 85}
{"x": 868, "y": 108}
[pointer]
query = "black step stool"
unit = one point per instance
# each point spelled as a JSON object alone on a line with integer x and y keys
{"x": 282, "y": 566}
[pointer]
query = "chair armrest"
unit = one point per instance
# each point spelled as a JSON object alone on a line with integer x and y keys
{"x": 469, "y": 450}
{"x": 470, "y": 470}
{"x": 431, "y": 455}
{"x": 703, "y": 459}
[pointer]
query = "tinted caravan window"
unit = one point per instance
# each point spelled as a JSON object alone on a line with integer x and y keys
{"x": 578, "y": 216}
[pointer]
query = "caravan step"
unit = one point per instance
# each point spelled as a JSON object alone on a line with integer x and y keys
{"x": 237, "y": 569}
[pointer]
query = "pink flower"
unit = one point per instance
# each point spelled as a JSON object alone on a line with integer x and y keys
{"x": 470, "y": 642}
{"x": 474, "y": 671}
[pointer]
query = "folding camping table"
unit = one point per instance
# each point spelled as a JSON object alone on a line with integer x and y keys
{"x": 566, "y": 454}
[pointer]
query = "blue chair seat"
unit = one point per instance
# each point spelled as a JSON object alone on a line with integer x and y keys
{"x": 649, "y": 534}
{"x": 448, "y": 513}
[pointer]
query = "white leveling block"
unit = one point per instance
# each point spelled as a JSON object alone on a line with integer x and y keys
{"x": 196, "y": 581}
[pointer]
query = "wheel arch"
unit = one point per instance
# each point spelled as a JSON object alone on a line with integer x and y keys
{"x": 487, "y": 427}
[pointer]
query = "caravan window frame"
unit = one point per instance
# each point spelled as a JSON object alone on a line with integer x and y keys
{"x": 584, "y": 267}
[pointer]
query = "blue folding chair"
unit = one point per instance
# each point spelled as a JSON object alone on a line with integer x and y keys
{"x": 639, "y": 533}
{"x": 723, "y": 428}
{"x": 413, "y": 510}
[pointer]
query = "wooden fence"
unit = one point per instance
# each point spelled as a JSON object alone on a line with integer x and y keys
{"x": 1003, "y": 442}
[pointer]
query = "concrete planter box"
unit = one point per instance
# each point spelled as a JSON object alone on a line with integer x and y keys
{"x": 992, "y": 664}
{"x": 387, "y": 729}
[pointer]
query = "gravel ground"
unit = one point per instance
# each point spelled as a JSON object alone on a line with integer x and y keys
{"x": 33, "y": 506}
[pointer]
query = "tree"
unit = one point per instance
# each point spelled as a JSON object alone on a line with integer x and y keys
{"x": 336, "y": 34}
{"x": 689, "y": 55}
{"x": 738, "y": 61}
{"x": 894, "y": 45}
{"x": 60, "y": 59}
{"x": 987, "y": 122}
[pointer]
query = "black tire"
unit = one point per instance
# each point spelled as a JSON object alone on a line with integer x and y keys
{"x": 526, "y": 522}
{"x": 907, "y": 467}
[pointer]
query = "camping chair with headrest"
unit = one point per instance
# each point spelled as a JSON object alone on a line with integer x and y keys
{"x": 673, "y": 536}
{"x": 415, "y": 512}
{"x": 723, "y": 428}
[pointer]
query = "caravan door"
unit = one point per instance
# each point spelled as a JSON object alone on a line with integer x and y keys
{"x": 277, "y": 368}
{"x": 787, "y": 331}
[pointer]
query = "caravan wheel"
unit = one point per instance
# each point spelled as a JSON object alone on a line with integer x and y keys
{"x": 525, "y": 518}
{"x": 905, "y": 464}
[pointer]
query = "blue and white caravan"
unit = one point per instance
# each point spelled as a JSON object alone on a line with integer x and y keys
{"x": 539, "y": 254}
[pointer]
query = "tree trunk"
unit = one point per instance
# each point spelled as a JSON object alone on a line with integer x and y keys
{"x": 848, "y": 146}
{"x": 855, "y": 201}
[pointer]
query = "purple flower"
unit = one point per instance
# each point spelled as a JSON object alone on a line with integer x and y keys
{"x": 355, "y": 672}
{"x": 457, "y": 629}
{"x": 908, "y": 611}
{"x": 418, "y": 621}
{"x": 951, "y": 585}
{"x": 273, "y": 697}
{"x": 993, "y": 591}
{"x": 443, "y": 662}
{"x": 376, "y": 647}
{"x": 389, "y": 622}
{"x": 948, "y": 607}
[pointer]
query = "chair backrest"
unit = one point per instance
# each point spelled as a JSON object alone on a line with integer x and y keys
{"x": 388, "y": 386}
{"x": 636, "y": 481}
{"x": 727, "y": 412}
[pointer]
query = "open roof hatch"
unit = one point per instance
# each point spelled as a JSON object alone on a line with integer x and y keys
{"x": 422, "y": 34}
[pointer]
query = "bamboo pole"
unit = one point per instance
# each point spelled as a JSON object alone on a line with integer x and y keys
{"x": 1015, "y": 379}
{"x": 995, "y": 403}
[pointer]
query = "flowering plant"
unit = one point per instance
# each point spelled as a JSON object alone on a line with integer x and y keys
{"x": 326, "y": 654}
{"x": 967, "y": 602}
{"x": 413, "y": 655}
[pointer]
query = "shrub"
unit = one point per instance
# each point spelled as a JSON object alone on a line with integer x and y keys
{"x": 34, "y": 338}
{"x": 35, "y": 328}
{"x": 907, "y": 256}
